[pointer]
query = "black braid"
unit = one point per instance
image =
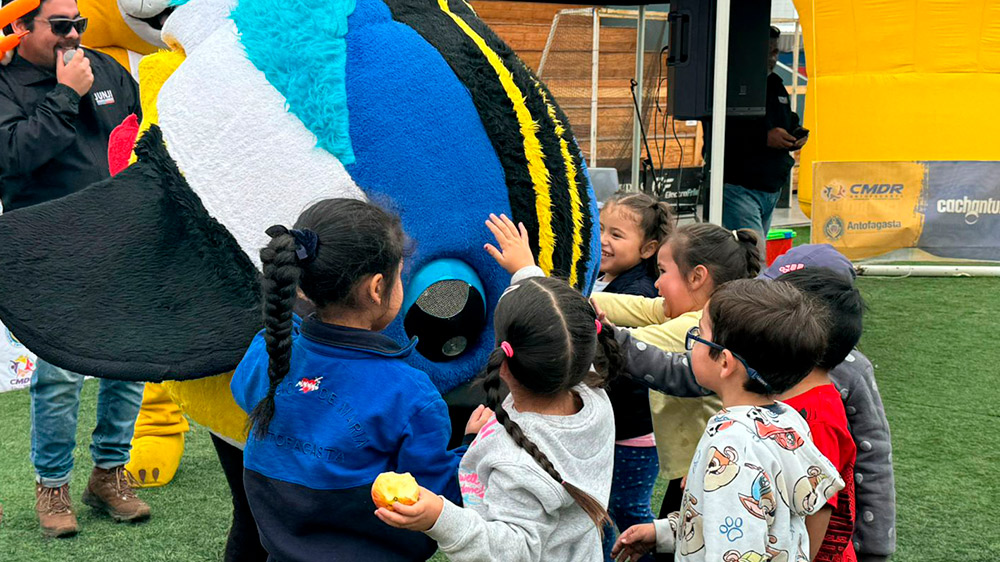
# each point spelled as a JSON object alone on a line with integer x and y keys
{"x": 279, "y": 283}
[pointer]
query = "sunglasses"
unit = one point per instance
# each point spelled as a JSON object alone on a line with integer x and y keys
{"x": 694, "y": 335}
{"x": 63, "y": 26}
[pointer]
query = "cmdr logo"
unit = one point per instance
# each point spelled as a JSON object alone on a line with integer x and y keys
{"x": 22, "y": 367}
{"x": 833, "y": 192}
{"x": 834, "y": 228}
{"x": 877, "y": 191}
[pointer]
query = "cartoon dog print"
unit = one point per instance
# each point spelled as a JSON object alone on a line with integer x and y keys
{"x": 722, "y": 468}
{"x": 692, "y": 536}
{"x": 785, "y": 437}
{"x": 761, "y": 502}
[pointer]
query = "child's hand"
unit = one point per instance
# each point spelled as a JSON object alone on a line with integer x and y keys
{"x": 636, "y": 541}
{"x": 602, "y": 316}
{"x": 478, "y": 419}
{"x": 515, "y": 251}
{"x": 417, "y": 517}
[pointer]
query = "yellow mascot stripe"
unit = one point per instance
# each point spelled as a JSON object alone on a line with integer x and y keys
{"x": 532, "y": 146}
{"x": 574, "y": 193}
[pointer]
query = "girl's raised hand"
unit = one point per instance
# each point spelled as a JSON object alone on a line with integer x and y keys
{"x": 417, "y": 517}
{"x": 515, "y": 251}
{"x": 635, "y": 542}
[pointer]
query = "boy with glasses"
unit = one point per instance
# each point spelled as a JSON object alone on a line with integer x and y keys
{"x": 57, "y": 110}
{"x": 756, "y": 474}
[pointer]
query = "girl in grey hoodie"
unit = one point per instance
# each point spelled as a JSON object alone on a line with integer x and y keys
{"x": 536, "y": 480}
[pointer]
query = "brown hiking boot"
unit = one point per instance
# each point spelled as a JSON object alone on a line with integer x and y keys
{"x": 111, "y": 491}
{"x": 55, "y": 513}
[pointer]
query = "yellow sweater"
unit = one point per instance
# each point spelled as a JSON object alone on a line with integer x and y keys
{"x": 677, "y": 422}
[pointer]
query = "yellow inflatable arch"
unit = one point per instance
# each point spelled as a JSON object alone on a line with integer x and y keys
{"x": 899, "y": 80}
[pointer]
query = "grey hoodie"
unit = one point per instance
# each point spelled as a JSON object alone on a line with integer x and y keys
{"x": 514, "y": 511}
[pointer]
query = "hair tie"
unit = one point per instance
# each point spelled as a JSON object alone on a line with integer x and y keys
{"x": 507, "y": 349}
{"x": 599, "y": 326}
{"x": 736, "y": 236}
{"x": 306, "y": 244}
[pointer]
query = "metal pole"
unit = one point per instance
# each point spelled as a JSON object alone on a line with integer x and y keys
{"x": 795, "y": 68}
{"x": 928, "y": 270}
{"x": 595, "y": 63}
{"x": 640, "y": 47}
{"x": 719, "y": 87}
{"x": 548, "y": 43}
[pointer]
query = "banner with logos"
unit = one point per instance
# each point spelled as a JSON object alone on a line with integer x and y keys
{"x": 942, "y": 210}
{"x": 16, "y": 362}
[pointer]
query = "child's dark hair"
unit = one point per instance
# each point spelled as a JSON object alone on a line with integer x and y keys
{"x": 656, "y": 218}
{"x": 552, "y": 332}
{"x": 727, "y": 254}
{"x": 335, "y": 244}
{"x": 843, "y": 303}
{"x": 777, "y": 330}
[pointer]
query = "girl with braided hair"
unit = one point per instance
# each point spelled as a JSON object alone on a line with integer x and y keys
{"x": 332, "y": 402}
{"x": 536, "y": 479}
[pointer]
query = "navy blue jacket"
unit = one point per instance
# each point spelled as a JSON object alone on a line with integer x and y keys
{"x": 629, "y": 399}
{"x": 349, "y": 409}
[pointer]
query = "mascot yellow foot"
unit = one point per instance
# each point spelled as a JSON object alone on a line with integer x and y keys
{"x": 158, "y": 443}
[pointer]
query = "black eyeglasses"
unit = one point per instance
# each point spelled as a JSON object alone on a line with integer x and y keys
{"x": 62, "y": 26}
{"x": 694, "y": 335}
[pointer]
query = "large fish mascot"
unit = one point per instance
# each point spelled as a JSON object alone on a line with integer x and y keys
{"x": 259, "y": 108}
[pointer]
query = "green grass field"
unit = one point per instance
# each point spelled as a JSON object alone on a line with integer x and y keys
{"x": 933, "y": 342}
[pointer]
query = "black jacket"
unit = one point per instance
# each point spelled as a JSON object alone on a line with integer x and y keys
{"x": 629, "y": 399}
{"x": 749, "y": 161}
{"x": 52, "y": 141}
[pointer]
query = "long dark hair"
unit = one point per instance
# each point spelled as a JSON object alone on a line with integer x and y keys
{"x": 727, "y": 254}
{"x": 553, "y": 333}
{"x": 335, "y": 244}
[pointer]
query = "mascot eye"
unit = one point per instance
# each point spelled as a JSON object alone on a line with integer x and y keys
{"x": 444, "y": 309}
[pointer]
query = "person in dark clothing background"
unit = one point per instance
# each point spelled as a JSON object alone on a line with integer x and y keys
{"x": 758, "y": 160}
{"x": 55, "y": 120}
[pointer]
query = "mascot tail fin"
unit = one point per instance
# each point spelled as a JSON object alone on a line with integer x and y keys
{"x": 130, "y": 278}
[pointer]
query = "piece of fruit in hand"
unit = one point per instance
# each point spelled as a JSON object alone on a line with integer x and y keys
{"x": 390, "y": 488}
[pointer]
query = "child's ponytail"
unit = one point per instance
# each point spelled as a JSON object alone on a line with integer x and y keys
{"x": 609, "y": 359}
{"x": 751, "y": 249}
{"x": 281, "y": 279}
{"x": 726, "y": 254}
{"x": 666, "y": 220}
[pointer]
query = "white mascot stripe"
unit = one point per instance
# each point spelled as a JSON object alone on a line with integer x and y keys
{"x": 253, "y": 163}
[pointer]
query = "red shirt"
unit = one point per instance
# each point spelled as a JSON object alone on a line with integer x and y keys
{"x": 823, "y": 410}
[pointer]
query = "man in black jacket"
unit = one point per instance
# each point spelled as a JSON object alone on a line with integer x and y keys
{"x": 758, "y": 159}
{"x": 55, "y": 120}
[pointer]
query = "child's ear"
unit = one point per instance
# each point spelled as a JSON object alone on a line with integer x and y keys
{"x": 648, "y": 249}
{"x": 375, "y": 289}
{"x": 698, "y": 277}
{"x": 727, "y": 364}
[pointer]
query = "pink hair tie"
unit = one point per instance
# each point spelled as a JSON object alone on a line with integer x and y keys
{"x": 507, "y": 349}
{"x": 599, "y": 326}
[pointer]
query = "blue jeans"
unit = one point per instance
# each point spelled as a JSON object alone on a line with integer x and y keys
{"x": 748, "y": 208}
{"x": 632, "y": 484}
{"x": 55, "y": 403}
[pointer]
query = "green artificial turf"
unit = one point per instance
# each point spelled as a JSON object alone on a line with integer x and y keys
{"x": 933, "y": 342}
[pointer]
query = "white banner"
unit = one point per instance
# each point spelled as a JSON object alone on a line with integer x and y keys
{"x": 16, "y": 362}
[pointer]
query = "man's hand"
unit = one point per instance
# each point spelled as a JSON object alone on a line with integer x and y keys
{"x": 77, "y": 74}
{"x": 800, "y": 143}
{"x": 515, "y": 251}
{"x": 478, "y": 419}
{"x": 635, "y": 542}
{"x": 780, "y": 139}
{"x": 417, "y": 517}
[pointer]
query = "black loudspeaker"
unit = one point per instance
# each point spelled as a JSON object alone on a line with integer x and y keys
{"x": 691, "y": 58}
